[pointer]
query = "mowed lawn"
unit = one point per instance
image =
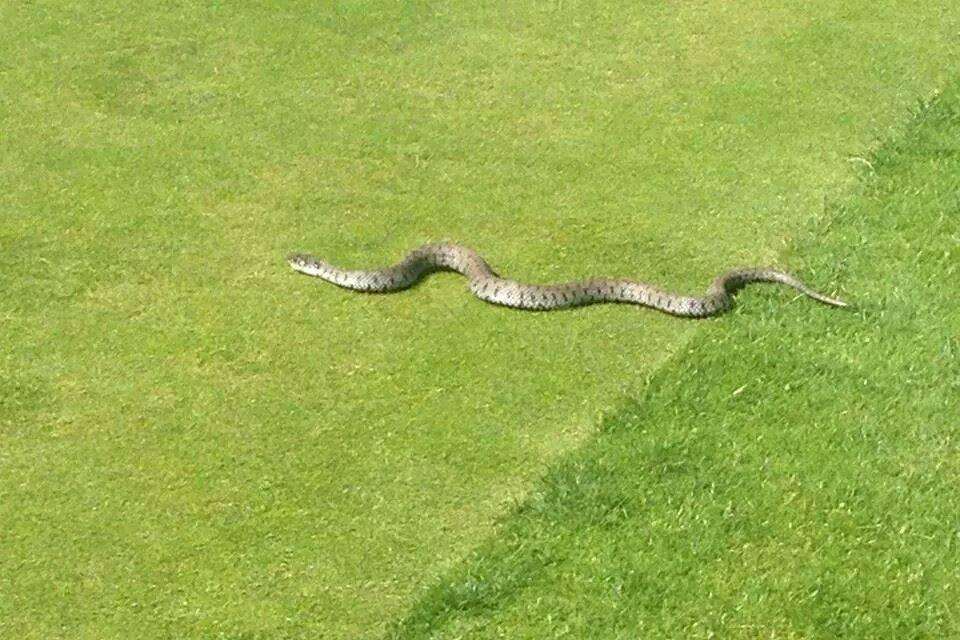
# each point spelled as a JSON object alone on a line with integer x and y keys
{"x": 788, "y": 476}
{"x": 196, "y": 442}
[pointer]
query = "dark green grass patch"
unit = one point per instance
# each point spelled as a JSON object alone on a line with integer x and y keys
{"x": 789, "y": 475}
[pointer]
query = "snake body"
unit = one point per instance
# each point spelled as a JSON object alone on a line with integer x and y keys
{"x": 488, "y": 286}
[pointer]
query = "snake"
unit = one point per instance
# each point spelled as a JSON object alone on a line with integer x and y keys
{"x": 487, "y": 285}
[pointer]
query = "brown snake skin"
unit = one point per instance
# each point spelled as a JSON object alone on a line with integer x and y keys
{"x": 488, "y": 286}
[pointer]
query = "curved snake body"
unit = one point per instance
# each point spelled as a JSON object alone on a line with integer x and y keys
{"x": 488, "y": 286}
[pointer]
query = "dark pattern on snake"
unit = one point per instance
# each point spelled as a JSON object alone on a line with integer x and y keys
{"x": 488, "y": 286}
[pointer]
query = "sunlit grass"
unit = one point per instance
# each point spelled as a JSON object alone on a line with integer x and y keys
{"x": 195, "y": 441}
{"x": 787, "y": 476}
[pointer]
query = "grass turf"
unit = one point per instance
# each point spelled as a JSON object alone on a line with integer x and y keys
{"x": 788, "y": 476}
{"x": 196, "y": 442}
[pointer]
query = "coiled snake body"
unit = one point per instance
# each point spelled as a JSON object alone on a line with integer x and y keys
{"x": 488, "y": 286}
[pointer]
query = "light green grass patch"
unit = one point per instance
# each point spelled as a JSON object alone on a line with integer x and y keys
{"x": 195, "y": 441}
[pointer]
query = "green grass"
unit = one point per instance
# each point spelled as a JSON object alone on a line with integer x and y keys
{"x": 788, "y": 476}
{"x": 195, "y": 442}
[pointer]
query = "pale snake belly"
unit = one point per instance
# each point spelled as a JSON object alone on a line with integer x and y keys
{"x": 488, "y": 286}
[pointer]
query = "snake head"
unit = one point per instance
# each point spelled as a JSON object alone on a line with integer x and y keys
{"x": 305, "y": 263}
{"x": 299, "y": 260}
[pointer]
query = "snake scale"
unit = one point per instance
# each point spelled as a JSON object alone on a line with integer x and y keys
{"x": 488, "y": 286}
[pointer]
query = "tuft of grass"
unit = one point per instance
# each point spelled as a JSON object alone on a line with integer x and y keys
{"x": 789, "y": 475}
{"x": 196, "y": 442}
